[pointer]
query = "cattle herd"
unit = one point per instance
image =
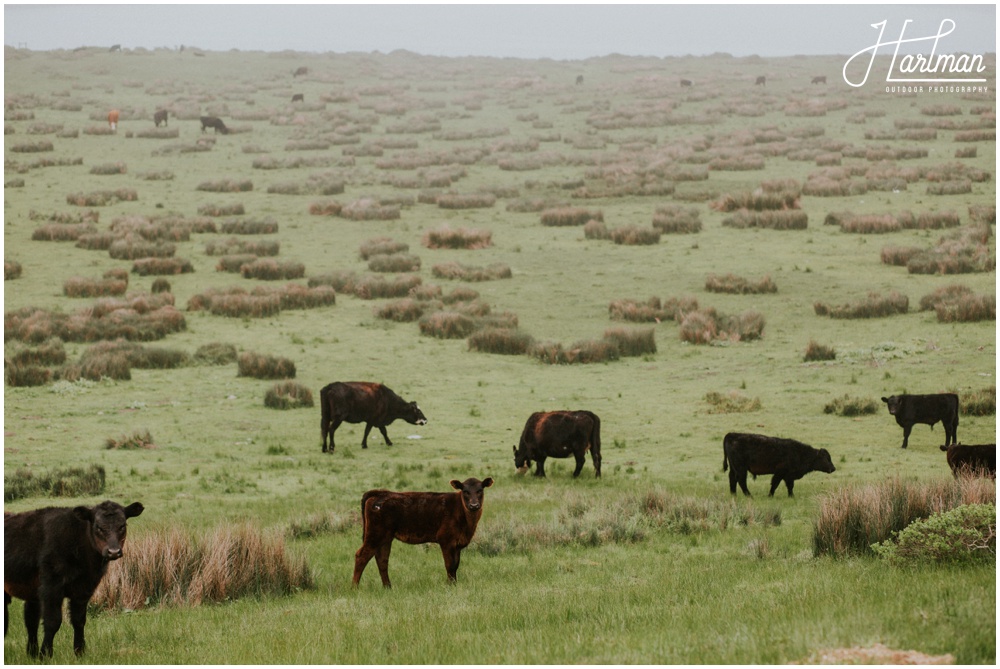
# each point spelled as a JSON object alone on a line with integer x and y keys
{"x": 53, "y": 554}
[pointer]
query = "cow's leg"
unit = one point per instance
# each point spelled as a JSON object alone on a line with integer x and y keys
{"x": 382, "y": 560}
{"x": 324, "y": 430}
{"x": 361, "y": 560}
{"x": 334, "y": 424}
{"x": 741, "y": 478}
{"x": 452, "y": 556}
{"x": 51, "y": 620}
{"x": 364, "y": 439}
{"x": 540, "y": 467}
{"x": 775, "y": 481}
{"x": 906, "y": 434}
{"x": 6, "y": 603}
{"x": 732, "y": 480}
{"x": 951, "y": 431}
{"x": 78, "y": 618}
{"x": 596, "y": 457}
{"x": 789, "y": 483}
{"x": 32, "y": 614}
{"x": 580, "y": 462}
{"x": 385, "y": 435}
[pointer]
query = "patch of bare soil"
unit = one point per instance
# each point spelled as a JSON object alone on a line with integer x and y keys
{"x": 876, "y": 654}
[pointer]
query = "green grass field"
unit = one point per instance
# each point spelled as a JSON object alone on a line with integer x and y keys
{"x": 747, "y": 593}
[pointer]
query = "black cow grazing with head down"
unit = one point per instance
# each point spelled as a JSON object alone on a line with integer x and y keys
{"x": 298, "y": 97}
{"x": 929, "y": 409}
{"x": 446, "y": 519}
{"x": 685, "y": 83}
{"x": 559, "y": 434}
{"x": 53, "y": 554}
{"x": 300, "y": 70}
{"x": 214, "y": 122}
{"x": 362, "y": 402}
{"x": 819, "y": 80}
{"x": 972, "y": 460}
{"x": 160, "y": 116}
{"x": 761, "y": 81}
{"x": 786, "y": 459}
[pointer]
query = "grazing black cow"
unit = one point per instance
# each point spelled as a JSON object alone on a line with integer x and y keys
{"x": 685, "y": 83}
{"x": 363, "y": 402}
{"x": 160, "y": 116}
{"x": 786, "y": 459}
{"x": 446, "y": 519}
{"x": 300, "y": 71}
{"x": 579, "y": 79}
{"x": 761, "y": 81}
{"x": 53, "y": 554}
{"x": 115, "y": 47}
{"x": 559, "y": 434}
{"x": 929, "y": 409}
{"x": 819, "y": 80}
{"x": 298, "y": 97}
{"x": 972, "y": 460}
{"x": 214, "y": 122}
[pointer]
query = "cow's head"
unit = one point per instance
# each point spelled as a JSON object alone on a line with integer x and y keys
{"x": 823, "y": 462}
{"x": 472, "y": 492}
{"x": 107, "y": 525}
{"x": 412, "y": 414}
{"x": 521, "y": 461}
{"x": 893, "y": 403}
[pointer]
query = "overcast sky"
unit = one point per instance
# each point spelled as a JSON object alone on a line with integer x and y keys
{"x": 559, "y": 31}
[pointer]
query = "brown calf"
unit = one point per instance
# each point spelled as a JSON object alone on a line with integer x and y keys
{"x": 113, "y": 119}
{"x": 53, "y": 554}
{"x": 972, "y": 460}
{"x": 446, "y": 519}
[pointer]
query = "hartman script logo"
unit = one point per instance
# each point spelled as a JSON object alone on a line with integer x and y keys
{"x": 933, "y": 68}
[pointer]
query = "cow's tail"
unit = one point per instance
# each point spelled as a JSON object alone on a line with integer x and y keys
{"x": 324, "y": 408}
{"x": 595, "y": 434}
{"x": 364, "y": 517}
{"x": 725, "y": 459}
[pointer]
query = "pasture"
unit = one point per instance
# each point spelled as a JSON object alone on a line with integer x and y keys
{"x": 654, "y": 562}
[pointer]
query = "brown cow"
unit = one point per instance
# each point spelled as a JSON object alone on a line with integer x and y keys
{"x": 559, "y": 434}
{"x": 298, "y": 97}
{"x": 160, "y": 116}
{"x": 819, "y": 80}
{"x": 685, "y": 83}
{"x": 55, "y": 553}
{"x": 446, "y": 519}
{"x": 363, "y": 402}
{"x": 113, "y": 119}
{"x": 784, "y": 458}
{"x": 214, "y": 122}
{"x": 300, "y": 70}
{"x": 761, "y": 81}
{"x": 972, "y": 460}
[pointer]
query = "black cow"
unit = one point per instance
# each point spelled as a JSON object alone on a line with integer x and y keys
{"x": 55, "y": 553}
{"x": 298, "y": 97}
{"x": 912, "y": 409}
{"x": 761, "y": 81}
{"x": 972, "y": 460}
{"x": 786, "y": 459}
{"x": 362, "y": 402}
{"x": 819, "y": 80}
{"x": 559, "y": 434}
{"x": 579, "y": 79}
{"x": 300, "y": 70}
{"x": 446, "y": 519}
{"x": 214, "y": 122}
{"x": 160, "y": 116}
{"x": 685, "y": 83}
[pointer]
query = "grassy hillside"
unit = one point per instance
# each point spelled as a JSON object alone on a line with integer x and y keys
{"x": 403, "y": 146}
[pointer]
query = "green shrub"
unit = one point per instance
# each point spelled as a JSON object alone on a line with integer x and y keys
{"x": 964, "y": 534}
{"x": 288, "y": 395}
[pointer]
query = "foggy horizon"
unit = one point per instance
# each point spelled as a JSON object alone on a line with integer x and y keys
{"x": 560, "y": 32}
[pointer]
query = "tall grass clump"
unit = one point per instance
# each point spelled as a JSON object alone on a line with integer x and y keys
{"x": 818, "y": 352}
{"x": 456, "y": 270}
{"x": 447, "y": 237}
{"x": 981, "y": 402}
{"x": 704, "y": 326}
{"x": 381, "y": 246}
{"x": 500, "y": 340}
{"x": 263, "y": 366}
{"x": 874, "y": 306}
{"x": 676, "y": 219}
{"x": 853, "y": 518}
{"x": 288, "y": 395}
{"x": 730, "y": 283}
{"x": 731, "y": 402}
{"x": 269, "y": 269}
{"x": 962, "y": 251}
{"x": 12, "y": 270}
{"x": 373, "y": 287}
{"x": 25, "y": 375}
{"x": 131, "y": 441}
{"x": 215, "y": 353}
{"x": 774, "y": 220}
{"x": 632, "y": 342}
{"x": 67, "y": 482}
{"x": 174, "y": 568}
{"x": 394, "y": 262}
{"x": 852, "y": 406}
{"x": 968, "y": 309}
{"x": 634, "y": 235}
{"x": 562, "y": 216}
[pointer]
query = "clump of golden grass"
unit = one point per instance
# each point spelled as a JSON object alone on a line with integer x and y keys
{"x": 447, "y": 237}
{"x": 730, "y": 283}
{"x": 161, "y": 266}
{"x": 78, "y": 286}
{"x": 69, "y": 482}
{"x": 853, "y": 406}
{"x": 381, "y": 246}
{"x": 772, "y": 219}
{"x": 216, "y": 210}
{"x": 874, "y": 305}
{"x": 500, "y": 341}
{"x": 704, "y": 326}
{"x": 235, "y": 246}
{"x": 263, "y": 366}
{"x": 174, "y": 568}
{"x": 12, "y": 270}
{"x": 652, "y": 310}
{"x": 394, "y": 262}
{"x": 326, "y": 208}
{"x": 587, "y": 351}
{"x": 466, "y": 200}
{"x": 269, "y": 269}
{"x": 133, "y": 440}
{"x": 562, "y": 216}
{"x": 632, "y": 342}
{"x": 633, "y": 235}
{"x": 109, "y": 168}
{"x": 405, "y": 310}
{"x": 267, "y": 226}
{"x": 816, "y": 351}
{"x": 102, "y": 198}
{"x": 674, "y": 219}
{"x": 288, "y": 395}
{"x": 731, "y": 402}
{"x": 62, "y": 232}
{"x": 982, "y": 402}
{"x": 367, "y": 209}
{"x": 226, "y": 186}
{"x": 372, "y": 287}
{"x": 455, "y": 270}
{"x": 962, "y": 251}
{"x": 853, "y": 518}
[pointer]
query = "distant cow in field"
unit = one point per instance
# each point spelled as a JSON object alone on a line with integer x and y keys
{"x": 786, "y": 459}
{"x": 160, "y": 116}
{"x": 300, "y": 71}
{"x": 972, "y": 460}
{"x": 214, "y": 122}
{"x": 446, "y": 519}
{"x": 53, "y": 554}
{"x": 559, "y": 434}
{"x": 362, "y": 402}
{"x": 113, "y": 119}
{"x": 579, "y": 79}
{"x": 929, "y": 409}
{"x": 115, "y": 47}
{"x": 685, "y": 83}
{"x": 761, "y": 81}
{"x": 298, "y": 97}
{"x": 819, "y": 80}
